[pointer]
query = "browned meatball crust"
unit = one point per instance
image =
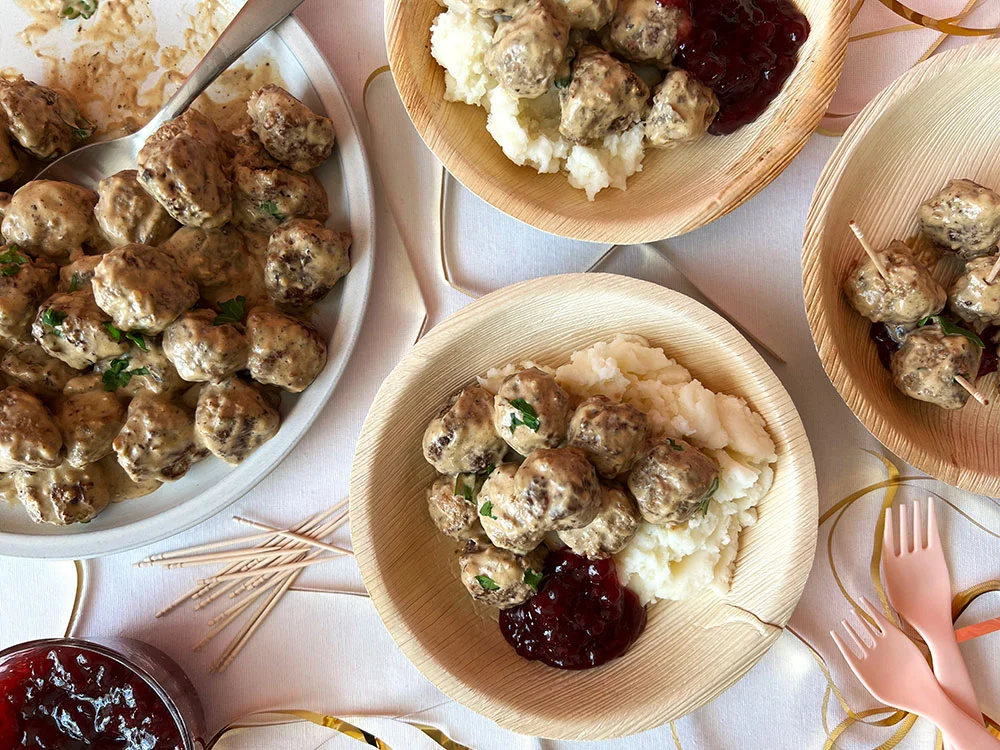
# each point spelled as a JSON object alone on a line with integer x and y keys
{"x": 284, "y": 351}
{"x": 508, "y": 522}
{"x": 610, "y": 531}
{"x": 202, "y": 351}
{"x": 461, "y": 438}
{"x": 926, "y": 365}
{"x": 529, "y": 50}
{"x": 531, "y": 411}
{"x": 127, "y": 214}
{"x": 29, "y": 437}
{"x": 304, "y": 262}
{"x": 52, "y": 219}
{"x": 157, "y": 440}
{"x": 963, "y": 218}
{"x": 266, "y": 197}
{"x": 603, "y": 97}
{"x": 557, "y": 490}
{"x": 290, "y": 131}
{"x": 71, "y": 327}
{"x": 32, "y": 368}
{"x": 64, "y": 495}
{"x": 89, "y": 421}
{"x": 496, "y": 576}
{"x": 24, "y": 284}
{"x": 610, "y": 434}
{"x": 452, "y": 513}
{"x": 45, "y": 122}
{"x": 671, "y": 480}
{"x": 233, "y": 419}
{"x": 644, "y": 31}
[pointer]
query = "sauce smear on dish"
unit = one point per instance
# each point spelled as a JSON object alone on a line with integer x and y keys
{"x": 580, "y": 618}
{"x": 70, "y": 699}
{"x": 744, "y": 50}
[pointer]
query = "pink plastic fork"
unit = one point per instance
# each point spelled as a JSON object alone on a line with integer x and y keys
{"x": 894, "y": 671}
{"x": 919, "y": 588}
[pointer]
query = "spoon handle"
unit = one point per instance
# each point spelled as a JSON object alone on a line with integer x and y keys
{"x": 255, "y": 19}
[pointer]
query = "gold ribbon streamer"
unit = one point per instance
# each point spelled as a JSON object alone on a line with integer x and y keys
{"x": 944, "y": 25}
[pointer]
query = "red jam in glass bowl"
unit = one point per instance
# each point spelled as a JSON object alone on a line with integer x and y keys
{"x": 65, "y": 695}
{"x": 744, "y": 50}
{"x": 581, "y": 617}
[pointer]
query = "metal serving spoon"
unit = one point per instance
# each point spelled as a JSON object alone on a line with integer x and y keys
{"x": 88, "y": 165}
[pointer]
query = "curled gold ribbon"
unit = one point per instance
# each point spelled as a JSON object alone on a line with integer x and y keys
{"x": 944, "y": 25}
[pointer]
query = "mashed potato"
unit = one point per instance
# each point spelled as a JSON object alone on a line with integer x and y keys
{"x": 664, "y": 562}
{"x": 526, "y": 129}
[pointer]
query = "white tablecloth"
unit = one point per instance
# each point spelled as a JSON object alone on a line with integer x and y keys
{"x": 331, "y": 653}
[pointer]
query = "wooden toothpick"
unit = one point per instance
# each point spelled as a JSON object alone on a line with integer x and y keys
{"x": 994, "y": 272}
{"x": 869, "y": 250}
{"x": 973, "y": 391}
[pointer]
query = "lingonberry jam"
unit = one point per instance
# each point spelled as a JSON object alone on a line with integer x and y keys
{"x": 744, "y": 50}
{"x": 68, "y": 698}
{"x": 580, "y": 618}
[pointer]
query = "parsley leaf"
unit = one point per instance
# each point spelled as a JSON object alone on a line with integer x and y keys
{"x": 487, "y": 510}
{"x": 11, "y": 261}
{"x": 487, "y": 583}
{"x": 113, "y": 332}
{"x": 231, "y": 311}
{"x": 487, "y": 471}
{"x": 271, "y": 208}
{"x": 675, "y": 445}
{"x": 52, "y": 319}
{"x": 951, "y": 329}
{"x": 528, "y": 418}
{"x": 137, "y": 338}
{"x": 703, "y": 505}
{"x": 118, "y": 375}
{"x": 74, "y": 283}
{"x": 533, "y": 579}
{"x": 79, "y": 9}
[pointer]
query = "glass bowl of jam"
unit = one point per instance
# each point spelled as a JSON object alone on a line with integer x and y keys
{"x": 98, "y": 694}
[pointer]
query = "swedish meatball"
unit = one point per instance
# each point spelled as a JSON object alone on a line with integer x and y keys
{"x": 683, "y": 110}
{"x": 10, "y": 163}
{"x": 52, "y": 219}
{"x": 973, "y": 299}
{"x": 644, "y": 31}
{"x": 290, "y": 131}
{"x": 249, "y": 152}
{"x": 24, "y": 284}
{"x": 233, "y": 419}
{"x": 284, "y": 351}
{"x": 453, "y": 513}
{"x": 610, "y": 434}
{"x": 963, "y": 218}
{"x": 610, "y": 531}
{"x": 266, "y": 197}
{"x": 211, "y": 259}
{"x": 531, "y": 411}
{"x": 76, "y": 276}
{"x": 32, "y": 368}
{"x": 142, "y": 288}
{"x": 905, "y": 296}
{"x": 304, "y": 262}
{"x": 558, "y": 489}
{"x": 529, "y": 50}
{"x": 461, "y": 438}
{"x": 46, "y": 122}
{"x": 29, "y": 438}
{"x": 926, "y": 365}
{"x": 89, "y": 422}
{"x": 496, "y": 576}
{"x": 71, "y": 327}
{"x": 491, "y": 8}
{"x": 204, "y": 352}
{"x": 64, "y": 495}
{"x": 671, "y": 480}
{"x": 604, "y": 97}
{"x": 192, "y": 124}
{"x": 508, "y": 522}
{"x": 126, "y": 213}
{"x": 157, "y": 440}
{"x": 141, "y": 370}
{"x": 588, "y": 14}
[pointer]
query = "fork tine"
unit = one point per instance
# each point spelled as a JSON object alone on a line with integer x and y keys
{"x": 880, "y": 619}
{"x": 904, "y": 530}
{"x": 918, "y": 531}
{"x": 933, "y": 536}
{"x": 888, "y": 535}
{"x": 865, "y": 624}
{"x": 855, "y": 636}
{"x": 849, "y": 656}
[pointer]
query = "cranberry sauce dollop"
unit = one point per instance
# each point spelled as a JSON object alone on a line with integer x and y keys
{"x": 886, "y": 346}
{"x": 744, "y": 50}
{"x": 70, "y": 699}
{"x": 580, "y": 618}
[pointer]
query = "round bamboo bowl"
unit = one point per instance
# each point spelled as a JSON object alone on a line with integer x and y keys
{"x": 691, "y": 651}
{"x": 677, "y": 191}
{"x": 937, "y": 122}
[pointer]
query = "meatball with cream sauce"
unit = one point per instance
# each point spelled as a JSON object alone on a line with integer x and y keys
{"x": 89, "y": 422}
{"x": 157, "y": 440}
{"x": 610, "y": 531}
{"x": 529, "y": 50}
{"x": 454, "y": 514}
{"x": 76, "y": 276}
{"x": 905, "y": 296}
{"x": 496, "y": 576}
{"x": 212, "y": 259}
{"x": 10, "y": 162}
{"x": 531, "y": 411}
{"x": 202, "y": 351}
{"x": 64, "y": 495}
{"x": 141, "y": 369}
{"x": 963, "y": 218}
{"x": 461, "y": 438}
{"x": 926, "y": 365}
{"x": 45, "y": 122}
{"x": 233, "y": 419}
{"x": 604, "y": 97}
{"x": 127, "y": 214}
{"x": 29, "y": 437}
{"x": 304, "y": 262}
{"x": 266, "y": 197}
{"x": 646, "y": 31}
{"x": 290, "y": 131}
{"x": 671, "y": 481}
{"x": 682, "y": 111}
{"x": 972, "y": 298}
{"x": 557, "y": 490}
{"x": 588, "y": 14}
{"x": 249, "y": 152}
{"x": 142, "y": 288}
{"x": 610, "y": 434}
{"x": 491, "y": 8}
{"x": 284, "y": 351}
{"x": 35, "y": 370}
{"x": 25, "y": 283}
{"x": 51, "y": 219}
{"x": 508, "y": 522}
{"x": 71, "y": 327}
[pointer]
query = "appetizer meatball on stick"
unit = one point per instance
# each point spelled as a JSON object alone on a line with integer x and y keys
{"x": 509, "y": 522}
{"x": 610, "y": 435}
{"x": 45, "y": 122}
{"x": 964, "y": 218}
{"x": 603, "y": 97}
{"x": 284, "y": 351}
{"x": 975, "y": 296}
{"x": 671, "y": 481}
{"x": 496, "y": 576}
{"x": 290, "y": 131}
{"x": 157, "y": 441}
{"x": 611, "y": 530}
{"x": 203, "y": 350}
{"x": 937, "y": 367}
{"x": 892, "y": 286}
{"x": 557, "y": 490}
{"x": 529, "y": 50}
{"x": 64, "y": 495}
{"x": 29, "y": 438}
{"x": 645, "y": 31}
{"x": 51, "y": 219}
{"x": 127, "y": 214}
{"x": 453, "y": 513}
{"x": 531, "y": 411}
{"x": 71, "y": 327}
{"x": 461, "y": 438}
{"x": 683, "y": 110}
{"x": 233, "y": 419}
{"x": 24, "y": 284}
{"x": 304, "y": 262}
{"x": 89, "y": 421}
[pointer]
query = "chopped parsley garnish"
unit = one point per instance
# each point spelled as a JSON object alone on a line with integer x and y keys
{"x": 271, "y": 208}
{"x": 52, "y": 319}
{"x": 703, "y": 505}
{"x": 74, "y": 283}
{"x": 487, "y": 583}
{"x": 951, "y": 329}
{"x": 118, "y": 375}
{"x": 487, "y": 510}
{"x": 113, "y": 332}
{"x": 674, "y": 444}
{"x": 79, "y": 9}
{"x": 533, "y": 578}
{"x": 487, "y": 471}
{"x": 231, "y": 311}
{"x": 11, "y": 261}
{"x": 463, "y": 488}
{"x": 528, "y": 416}
{"x": 134, "y": 336}
{"x": 82, "y": 133}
